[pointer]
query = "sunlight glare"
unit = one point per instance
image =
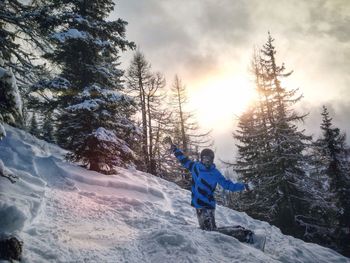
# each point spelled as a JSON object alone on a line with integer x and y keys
{"x": 219, "y": 100}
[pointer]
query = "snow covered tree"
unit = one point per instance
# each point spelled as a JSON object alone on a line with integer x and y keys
{"x": 10, "y": 99}
{"x": 10, "y": 108}
{"x": 17, "y": 35}
{"x": 14, "y": 59}
{"x": 271, "y": 148}
{"x": 34, "y": 128}
{"x": 93, "y": 114}
{"x": 333, "y": 163}
{"x": 20, "y": 42}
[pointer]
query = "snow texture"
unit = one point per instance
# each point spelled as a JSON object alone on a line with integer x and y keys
{"x": 89, "y": 105}
{"x": 72, "y": 33}
{"x": 111, "y": 95}
{"x": 59, "y": 83}
{"x": 105, "y": 135}
{"x": 64, "y": 213}
{"x": 3, "y": 169}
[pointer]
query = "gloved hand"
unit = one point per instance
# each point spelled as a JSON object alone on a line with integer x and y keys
{"x": 167, "y": 140}
{"x": 247, "y": 188}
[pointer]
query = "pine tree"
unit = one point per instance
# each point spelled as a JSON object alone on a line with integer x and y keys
{"x": 10, "y": 99}
{"x": 271, "y": 148}
{"x": 13, "y": 60}
{"x": 254, "y": 130}
{"x": 18, "y": 31}
{"x": 10, "y": 109}
{"x": 19, "y": 36}
{"x": 93, "y": 114}
{"x": 11, "y": 25}
{"x": 333, "y": 162}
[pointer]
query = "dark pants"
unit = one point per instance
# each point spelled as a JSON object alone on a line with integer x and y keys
{"x": 206, "y": 220}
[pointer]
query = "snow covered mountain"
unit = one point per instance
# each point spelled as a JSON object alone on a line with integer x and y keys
{"x": 65, "y": 213}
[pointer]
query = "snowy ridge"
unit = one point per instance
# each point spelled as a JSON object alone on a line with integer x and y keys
{"x": 64, "y": 213}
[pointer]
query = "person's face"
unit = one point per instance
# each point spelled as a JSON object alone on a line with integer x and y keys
{"x": 207, "y": 161}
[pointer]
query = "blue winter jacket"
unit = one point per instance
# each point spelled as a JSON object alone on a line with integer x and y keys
{"x": 204, "y": 181}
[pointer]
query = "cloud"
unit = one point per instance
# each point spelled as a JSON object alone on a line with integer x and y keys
{"x": 338, "y": 111}
{"x": 225, "y": 21}
{"x": 185, "y": 36}
{"x": 330, "y": 18}
{"x": 198, "y": 38}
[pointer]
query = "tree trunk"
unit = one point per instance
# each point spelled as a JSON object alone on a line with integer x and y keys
{"x": 183, "y": 134}
{"x": 144, "y": 124}
{"x": 152, "y": 165}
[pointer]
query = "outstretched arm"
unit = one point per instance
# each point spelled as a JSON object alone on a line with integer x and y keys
{"x": 229, "y": 185}
{"x": 184, "y": 160}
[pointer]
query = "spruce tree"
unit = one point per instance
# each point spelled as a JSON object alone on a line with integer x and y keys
{"x": 10, "y": 99}
{"x": 10, "y": 109}
{"x": 20, "y": 42}
{"x": 271, "y": 148}
{"x": 18, "y": 34}
{"x": 15, "y": 60}
{"x": 335, "y": 165}
{"x": 93, "y": 114}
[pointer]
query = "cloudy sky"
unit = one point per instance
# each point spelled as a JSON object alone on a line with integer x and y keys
{"x": 209, "y": 44}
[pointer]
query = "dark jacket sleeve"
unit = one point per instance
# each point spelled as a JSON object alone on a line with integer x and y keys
{"x": 228, "y": 184}
{"x": 185, "y": 162}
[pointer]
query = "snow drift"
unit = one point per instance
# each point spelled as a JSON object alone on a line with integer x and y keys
{"x": 65, "y": 213}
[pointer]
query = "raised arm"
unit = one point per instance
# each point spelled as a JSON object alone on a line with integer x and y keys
{"x": 184, "y": 160}
{"x": 229, "y": 185}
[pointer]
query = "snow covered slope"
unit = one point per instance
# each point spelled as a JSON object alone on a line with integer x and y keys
{"x": 64, "y": 213}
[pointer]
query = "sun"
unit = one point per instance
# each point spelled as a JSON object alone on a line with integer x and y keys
{"x": 217, "y": 100}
